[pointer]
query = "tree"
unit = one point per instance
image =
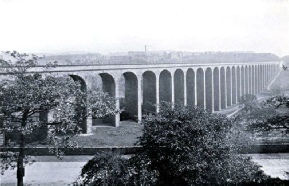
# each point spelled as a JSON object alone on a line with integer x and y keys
{"x": 180, "y": 146}
{"x": 267, "y": 116}
{"x": 189, "y": 146}
{"x": 27, "y": 97}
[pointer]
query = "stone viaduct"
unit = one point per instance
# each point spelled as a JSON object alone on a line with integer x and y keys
{"x": 213, "y": 86}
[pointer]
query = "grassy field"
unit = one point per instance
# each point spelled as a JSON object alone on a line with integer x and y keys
{"x": 124, "y": 135}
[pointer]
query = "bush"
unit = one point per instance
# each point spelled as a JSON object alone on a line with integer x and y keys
{"x": 112, "y": 169}
{"x": 189, "y": 146}
{"x": 265, "y": 117}
{"x": 181, "y": 146}
{"x": 249, "y": 101}
{"x": 104, "y": 169}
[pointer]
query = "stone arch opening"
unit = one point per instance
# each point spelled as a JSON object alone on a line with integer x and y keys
{"x": 191, "y": 88}
{"x": 234, "y": 86}
{"x": 223, "y": 88}
{"x": 250, "y": 80}
{"x": 263, "y": 76}
{"x": 246, "y": 80}
{"x": 256, "y": 78}
{"x": 107, "y": 86}
{"x": 243, "y": 83}
{"x": 200, "y": 88}
{"x": 130, "y": 100}
{"x": 267, "y": 74}
{"x": 216, "y": 80}
{"x": 238, "y": 83}
{"x": 80, "y": 80}
{"x": 179, "y": 86}
{"x": 149, "y": 92}
{"x": 260, "y": 78}
{"x": 229, "y": 86}
{"x": 81, "y": 110}
{"x": 165, "y": 86}
{"x": 273, "y": 71}
{"x": 209, "y": 90}
{"x": 253, "y": 80}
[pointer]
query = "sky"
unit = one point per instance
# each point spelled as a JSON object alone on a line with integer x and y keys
{"x": 108, "y": 26}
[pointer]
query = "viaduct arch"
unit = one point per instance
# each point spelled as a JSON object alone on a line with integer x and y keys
{"x": 142, "y": 87}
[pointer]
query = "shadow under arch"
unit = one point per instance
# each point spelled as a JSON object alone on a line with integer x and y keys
{"x": 259, "y": 75}
{"x": 130, "y": 100}
{"x": 179, "y": 86}
{"x": 238, "y": 83}
{"x": 234, "y": 85}
{"x": 243, "y": 83}
{"x": 191, "y": 87}
{"x": 253, "y": 80}
{"x": 108, "y": 86}
{"x": 165, "y": 86}
{"x": 81, "y": 110}
{"x": 223, "y": 88}
{"x": 149, "y": 92}
{"x": 200, "y": 88}
{"x": 250, "y": 79}
{"x": 246, "y": 79}
{"x": 229, "y": 86}
{"x": 216, "y": 81}
{"x": 209, "y": 89}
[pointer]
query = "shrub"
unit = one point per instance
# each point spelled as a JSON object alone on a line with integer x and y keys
{"x": 101, "y": 169}
{"x": 181, "y": 146}
{"x": 112, "y": 169}
{"x": 189, "y": 146}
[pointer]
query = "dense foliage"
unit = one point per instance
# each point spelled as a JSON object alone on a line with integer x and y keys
{"x": 27, "y": 97}
{"x": 189, "y": 146}
{"x": 182, "y": 146}
{"x": 112, "y": 169}
{"x": 265, "y": 116}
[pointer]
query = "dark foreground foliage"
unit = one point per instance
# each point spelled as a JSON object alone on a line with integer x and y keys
{"x": 269, "y": 116}
{"x": 181, "y": 146}
{"x": 112, "y": 169}
{"x": 42, "y": 109}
